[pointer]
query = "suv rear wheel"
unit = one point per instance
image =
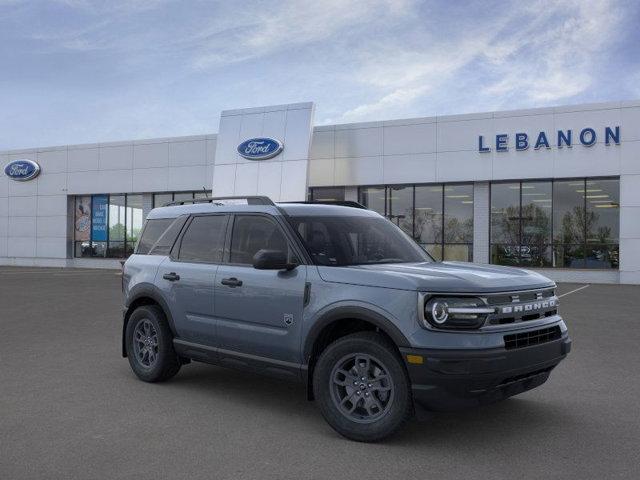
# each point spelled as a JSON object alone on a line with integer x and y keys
{"x": 362, "y": 387}
{"x": 149, "y": 344}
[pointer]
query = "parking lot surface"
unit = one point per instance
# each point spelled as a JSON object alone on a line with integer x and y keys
{"x": 71, "y": 408}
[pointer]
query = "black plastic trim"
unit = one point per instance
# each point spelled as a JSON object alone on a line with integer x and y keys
{"x": 358, "y": 313}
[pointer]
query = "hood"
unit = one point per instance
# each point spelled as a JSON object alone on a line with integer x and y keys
{"x": 460, "y": 277}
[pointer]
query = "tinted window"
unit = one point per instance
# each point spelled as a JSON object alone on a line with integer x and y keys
{"x": 355, "y": 240}
{"x": 204, "y": 239}
{"x": 168, "y": 238}
{"x": 152, "y": 232}
{"x": 253, "y": 233}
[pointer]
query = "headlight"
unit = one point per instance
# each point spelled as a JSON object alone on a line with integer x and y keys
{"x": 455, "y": 312}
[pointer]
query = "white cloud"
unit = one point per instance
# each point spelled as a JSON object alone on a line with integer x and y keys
{"x": 543, "y": 52}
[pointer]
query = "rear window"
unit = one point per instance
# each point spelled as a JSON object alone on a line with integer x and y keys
{"x": 152, "y": 232}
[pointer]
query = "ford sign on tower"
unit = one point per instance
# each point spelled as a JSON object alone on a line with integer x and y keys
{"x": 260, "y": 148}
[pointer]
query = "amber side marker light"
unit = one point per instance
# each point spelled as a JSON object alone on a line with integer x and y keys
{"x": 415, "y": 359}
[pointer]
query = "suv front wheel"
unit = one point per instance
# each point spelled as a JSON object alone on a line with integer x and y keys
{"x": 149, "y": 344}
{"x": 362, "y": 387}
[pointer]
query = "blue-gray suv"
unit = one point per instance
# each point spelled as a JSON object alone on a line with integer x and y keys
{"x": 338, "y": 297}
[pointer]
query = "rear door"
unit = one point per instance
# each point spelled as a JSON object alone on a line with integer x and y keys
{"x": 259, "y": 312}
{"x": 187, "y": 277}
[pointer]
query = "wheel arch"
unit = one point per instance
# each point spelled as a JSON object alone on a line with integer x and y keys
{"x": 339, "y": 322}
{"x": 141, "y": 295}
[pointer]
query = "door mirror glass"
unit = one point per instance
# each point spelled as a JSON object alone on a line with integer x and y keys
{"x": 272, "y": 260}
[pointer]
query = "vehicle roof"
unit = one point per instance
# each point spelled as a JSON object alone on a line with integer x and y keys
{"x": 294, "y": 209}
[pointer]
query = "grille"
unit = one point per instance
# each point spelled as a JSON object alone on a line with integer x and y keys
{"x": 522, "y": 306}
{"x": 535, "y": 337}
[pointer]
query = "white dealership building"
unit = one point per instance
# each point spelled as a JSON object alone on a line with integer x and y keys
{"x": 553, "y": 189}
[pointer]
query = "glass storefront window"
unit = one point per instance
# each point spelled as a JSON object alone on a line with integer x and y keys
{"x": 107, "y": 225}
{"x": 536, "y": 200}
{"x": 82, "y": 226}
{"x": 458, "y": 222}
{"x": 428, "y": 218}
{"x": 373, "y": 198}
{"x": 327, "y": 194}
{"x": 161, "y": 199}
{"x": 117, "y": 217}
{"x": 439, "y": 217}
{"x": 400, "y": 207}
{"x": 564, "y": 223}
{"x": 134, "y": 222}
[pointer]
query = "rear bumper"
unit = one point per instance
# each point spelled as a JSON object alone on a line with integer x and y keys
{"x": 454, "y": 379}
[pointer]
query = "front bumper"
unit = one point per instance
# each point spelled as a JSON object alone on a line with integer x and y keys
{"x": 450, "y": 379}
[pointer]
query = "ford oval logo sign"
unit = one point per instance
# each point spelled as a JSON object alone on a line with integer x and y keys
{"x": 260, "y": 148}
{"x": 22, "y": 170}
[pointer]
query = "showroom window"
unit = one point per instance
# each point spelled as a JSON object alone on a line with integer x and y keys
{"x": 564, "y": 224}
{"x": 439, "y": 217}
{"x": 161, "y": 199}
{"x": 107, "y": 226}
{"x": 326, "y": 194}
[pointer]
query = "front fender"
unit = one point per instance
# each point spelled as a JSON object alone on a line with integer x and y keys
{"x": 369, "y": 313}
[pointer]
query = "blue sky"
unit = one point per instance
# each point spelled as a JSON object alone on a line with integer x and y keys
{"x": 76, "y": 71}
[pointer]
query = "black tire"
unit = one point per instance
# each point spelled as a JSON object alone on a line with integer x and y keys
{"x": 332, "y": 388}
{"x": 166, "y": 362}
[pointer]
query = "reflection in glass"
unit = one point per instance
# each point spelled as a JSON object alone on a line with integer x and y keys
{"x": 603, "y": 211}
{"x": 181, "y": 196}
{"x": 568, "y": 212}
{"x": 505, "y": 213}
{"x": 161, "y": 199}
{"x": 565, "y": 224}
{"x": 325, "y": 194}
{"x": 428, "y": 216}
{"x": 373, "y": 198}
{"x": 435, "y": 250}
{"x": 458, "y": 252}
{"x": 400, "y": 207}
{"x": 535, "y": 250}
{"x": 134, "y": 221}
{"x": 458, "y": 214}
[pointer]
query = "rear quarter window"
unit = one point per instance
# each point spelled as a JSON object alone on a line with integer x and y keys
{"x": 153, "y": 229}
{"x": 159, "y": 235}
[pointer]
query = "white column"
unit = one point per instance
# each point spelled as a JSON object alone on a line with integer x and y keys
{"x": 629, "y": 229}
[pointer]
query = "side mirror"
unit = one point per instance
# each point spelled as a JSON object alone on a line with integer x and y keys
{"x": 272, "y": 260}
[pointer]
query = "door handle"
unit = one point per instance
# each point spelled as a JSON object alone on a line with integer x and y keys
{"x": 172, "y": 277}
{"x": 231, "y": 282}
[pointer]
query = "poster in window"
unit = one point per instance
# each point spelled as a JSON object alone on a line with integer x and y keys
{"x": 99, "y": 218}
{"x": 83, "y": 219}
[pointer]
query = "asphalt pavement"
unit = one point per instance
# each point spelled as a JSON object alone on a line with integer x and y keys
{"x": 70, "y": 407}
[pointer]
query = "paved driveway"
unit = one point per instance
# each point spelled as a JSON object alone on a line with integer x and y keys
{"x": 71, "y": 408}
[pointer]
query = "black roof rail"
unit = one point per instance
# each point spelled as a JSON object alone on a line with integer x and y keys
{"x": 341, "y": 203}
{"x": 251, "y": 200}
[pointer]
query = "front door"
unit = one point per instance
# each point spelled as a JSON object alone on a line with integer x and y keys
{"x": 188, "y": 278}
{"x": 259, "y": 312}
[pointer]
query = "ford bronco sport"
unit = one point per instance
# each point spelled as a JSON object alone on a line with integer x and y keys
{"x": 337, "y": 297}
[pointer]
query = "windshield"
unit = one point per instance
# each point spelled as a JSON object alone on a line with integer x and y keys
{"x": 356, "y": 240}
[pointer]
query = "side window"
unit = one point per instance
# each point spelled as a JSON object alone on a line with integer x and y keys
{"x": 168, "y": 238}
{"x": 253, "y": 233}
{"x": 204, "y": 239}
{"x": 153, "y": 229}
